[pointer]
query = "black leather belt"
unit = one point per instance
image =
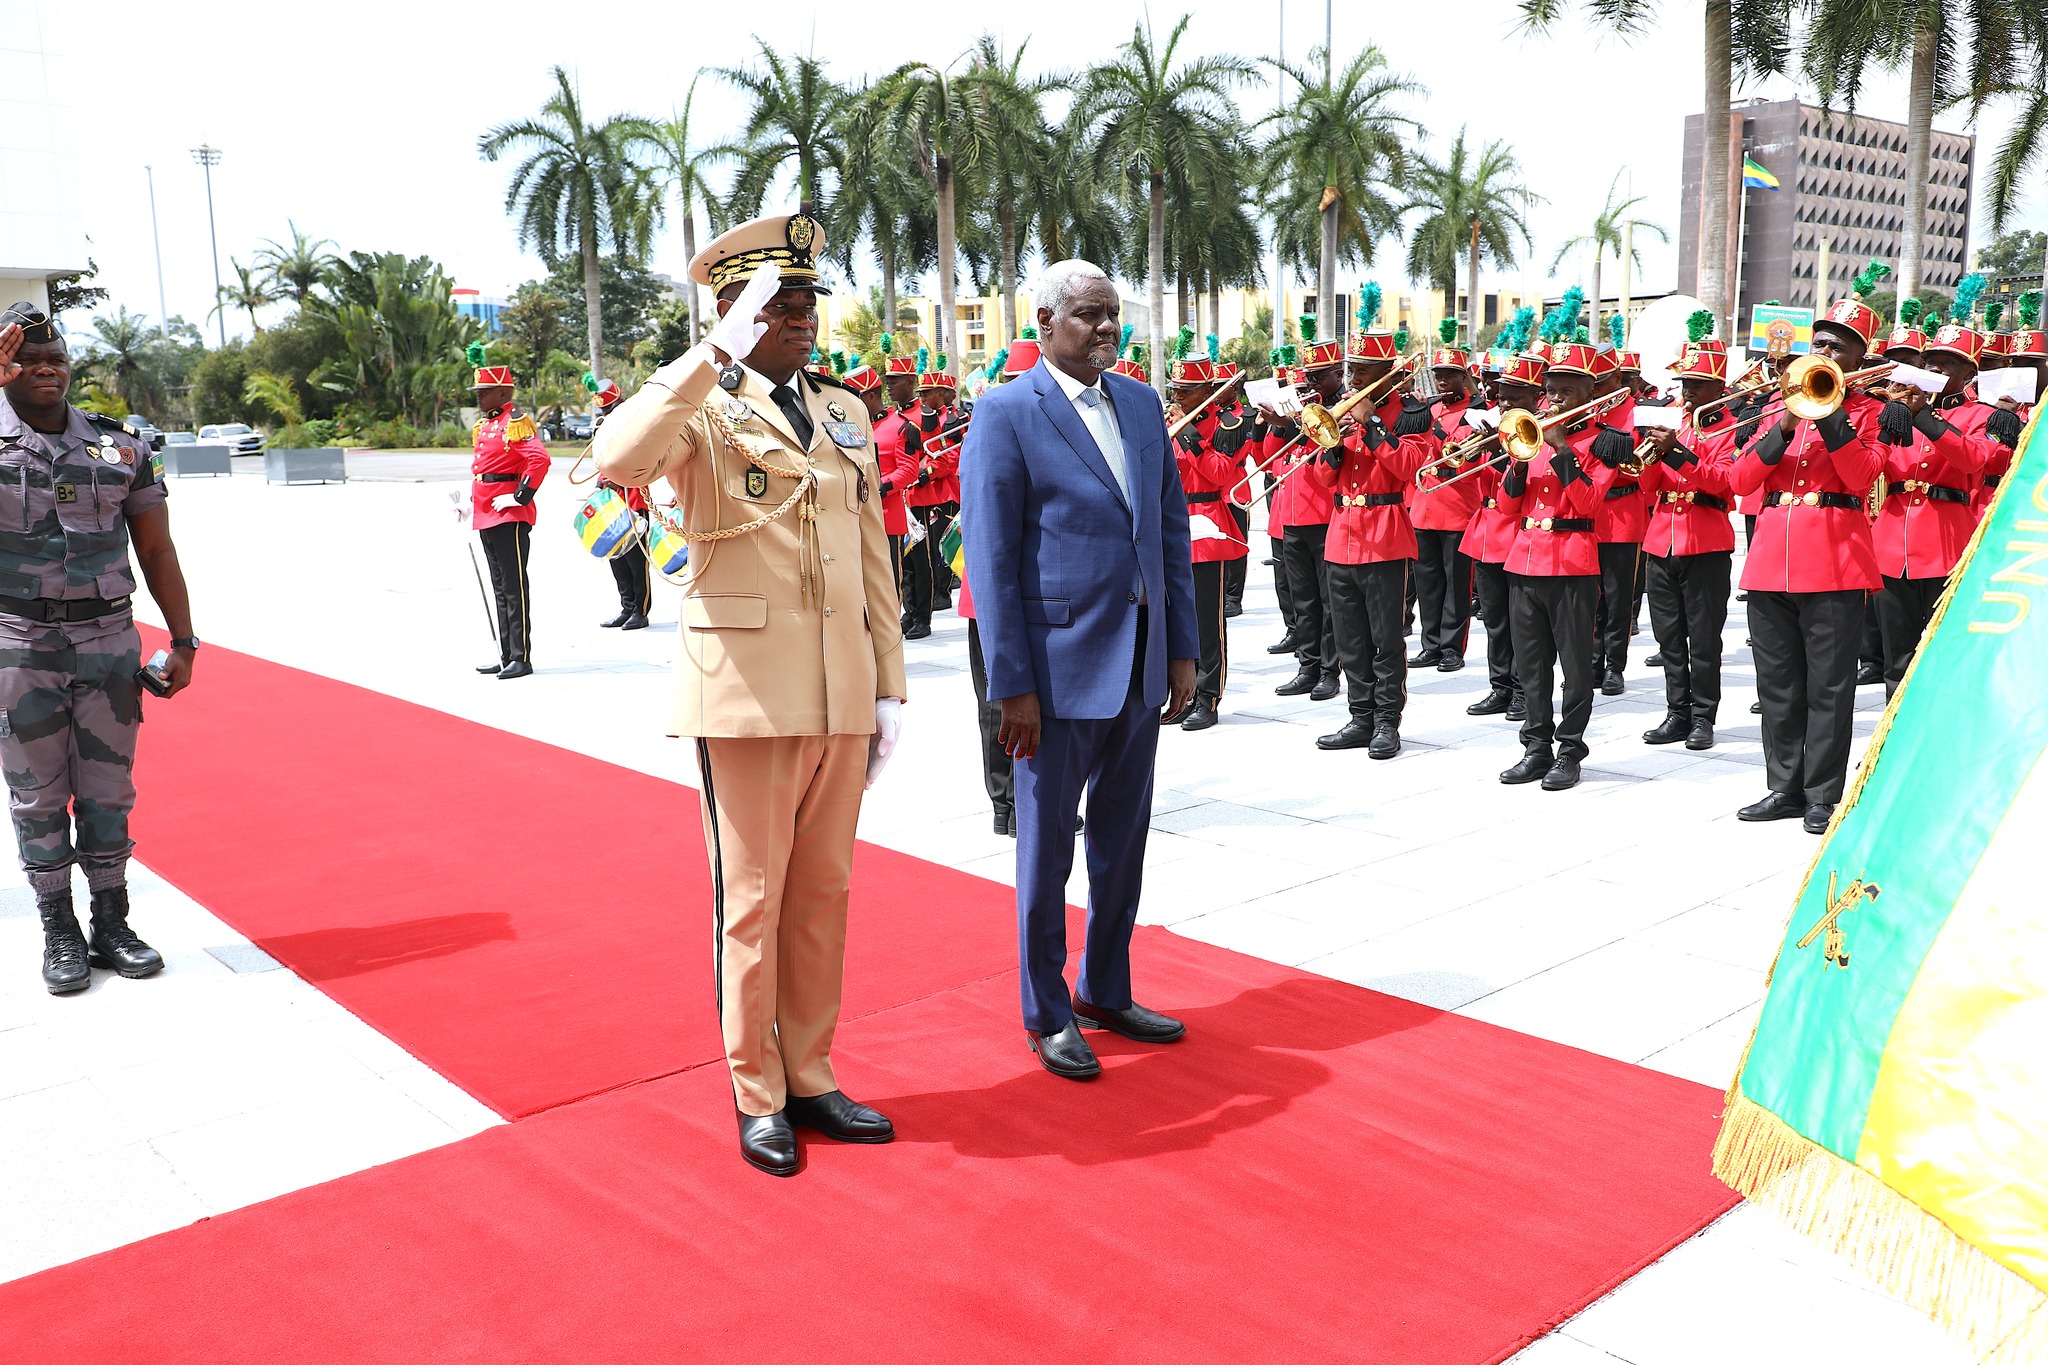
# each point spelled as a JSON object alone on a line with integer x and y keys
{"x": 1622, "y": 490}
{"x": 1838, "y": 500}
{"x": 1557, "y": 524}
{"x": 1696, "y": 497}
{"x": 61, "y": 609}
{"x": 497, "y": 478}
{"x": 1205, "y": 497}
{"x": 1371, "y": 500}
{"x": 1936, "y": 491}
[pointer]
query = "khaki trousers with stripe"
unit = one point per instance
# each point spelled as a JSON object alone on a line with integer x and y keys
{"x": 779, "y": 817}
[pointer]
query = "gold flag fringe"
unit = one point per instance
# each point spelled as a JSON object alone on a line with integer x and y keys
{"x": 1998, "y": 1315}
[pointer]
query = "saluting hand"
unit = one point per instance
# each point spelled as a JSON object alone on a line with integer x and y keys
{"x": 10, "y": 342}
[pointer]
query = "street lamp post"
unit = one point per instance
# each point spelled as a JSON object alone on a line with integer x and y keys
{"x": 209, "y": 157}
{"x": 163, "y": 312}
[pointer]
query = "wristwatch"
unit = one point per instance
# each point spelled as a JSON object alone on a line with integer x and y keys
{"x": 185, "y": 642}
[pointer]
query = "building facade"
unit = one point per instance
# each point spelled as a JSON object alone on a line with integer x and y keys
{"x": 42, "y": 227}
{"x": 1842, "y": 181}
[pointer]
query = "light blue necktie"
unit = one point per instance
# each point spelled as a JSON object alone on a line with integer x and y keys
{"x": 1106, "y": 440}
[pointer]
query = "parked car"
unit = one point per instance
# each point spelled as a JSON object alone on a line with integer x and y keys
{"x": 244, "y": 439}
{"x": 144, "y": 428}
{"x": 577, "y": 426}
{"x": 180, "y": 438}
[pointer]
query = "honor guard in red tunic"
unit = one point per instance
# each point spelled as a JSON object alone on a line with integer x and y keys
{"x": 933, "y": 497}
{"x": 1618, "y": 525}
{"x": 1370, "y": 545}
{"x": 1211, "y": 452}
{"x": 1935, "y": 453}
{"x": 1303, "y": 506}
{"x": 1283, "y": 359}
{"x": 1491, "y": 536}
{"x": 1442, "y": 516}
{"x": 896, "y": 450}
{"x": 1236, "y": 571}
{"x": 631, "y": 572}
{"x": 1808, "y": 573}
{"x": 508, "y": 468}
{"x": 1689, "y": 545}
{"x": 1554, "y": 568}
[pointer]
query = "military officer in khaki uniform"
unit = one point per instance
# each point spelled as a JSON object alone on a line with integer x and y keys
{"x": 791, "y": 666}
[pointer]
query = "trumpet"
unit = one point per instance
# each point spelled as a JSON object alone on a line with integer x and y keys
{"x": 1318, "y": 424}
{"x": 1523, "y": 434}
{"x": 1815, "y": 387}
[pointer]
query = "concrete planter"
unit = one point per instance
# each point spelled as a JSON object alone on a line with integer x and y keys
{"x": 186, "y": 460}
{"x": 324, "y": 465}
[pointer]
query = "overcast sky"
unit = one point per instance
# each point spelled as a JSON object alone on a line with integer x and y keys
{"x": 360, "y": 122}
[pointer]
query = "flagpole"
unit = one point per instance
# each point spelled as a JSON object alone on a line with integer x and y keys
{"x": 1741, "y": 250}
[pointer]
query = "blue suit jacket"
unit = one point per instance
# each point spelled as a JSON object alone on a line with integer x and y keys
{"x": 1054, "y": 552}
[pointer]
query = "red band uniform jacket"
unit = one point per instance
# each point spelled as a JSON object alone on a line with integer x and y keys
{"x": 1437, "y": 508}
{"x": 509, "y": 458}
{"x": 897, "y": 448}
{"x": 1690, "y": 492}
{"x": 1369, "y": 515}
{"x": 1624, "y": 515}
{"x": 939, "y": 459}
{"x": 1936, "y": 489}
{"x": 1300, "y": 501}
{"x": 1818, "y": 539}
{"x": 1211, "y": 455}
{"x": 1552, "y": 494}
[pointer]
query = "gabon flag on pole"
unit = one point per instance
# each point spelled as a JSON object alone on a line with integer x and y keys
{"x": 1893, "y": 1102}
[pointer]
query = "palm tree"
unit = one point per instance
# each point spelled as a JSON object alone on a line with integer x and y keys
{"x": 1473, "y": 207}
{"x": 270, "y": 390}
{"x": 1610, "y": 229}
{"x": 798, "y": 117}
{"x": 1020, "y": 162}
{"x": 684, "y": 163}
{"x": 1763, "y": 29}
{"x": 249, "y": 292}
{"x": 2026, "y": 145}
{"x": 882, "y": 201}
{"x": 1155, "y": 123}
{"x": 296, "y": 270}
{"x": 1336, "y": 143}
{"x": 121, "y": 359}
{"x": 577, "y": 186}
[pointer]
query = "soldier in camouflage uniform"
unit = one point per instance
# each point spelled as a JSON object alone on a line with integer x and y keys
{"x": 74, "y": 488}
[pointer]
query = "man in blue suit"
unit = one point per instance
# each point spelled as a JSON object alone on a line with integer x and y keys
{"x": 1077, "y": 546}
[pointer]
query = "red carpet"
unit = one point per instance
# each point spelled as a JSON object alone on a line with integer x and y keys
{"x": 1318, "y": 1173}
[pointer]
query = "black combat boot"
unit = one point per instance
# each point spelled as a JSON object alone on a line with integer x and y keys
{"x": 64, "y": 965}
{"x": 114, "y": 944}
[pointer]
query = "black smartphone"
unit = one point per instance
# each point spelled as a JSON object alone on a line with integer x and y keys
{"x": 152, "y": 676}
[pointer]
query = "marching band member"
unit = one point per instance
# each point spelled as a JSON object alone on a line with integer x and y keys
{"x": 1443, "y": 571}
{"x": 1210, "y": 451}
{"x": 1306, "y": 515}
{"x": 1519, "y": 384}
{"x": 1283, "y": 359}
{"x": 1618, "y": 525}
{"x": 933, "y": 497}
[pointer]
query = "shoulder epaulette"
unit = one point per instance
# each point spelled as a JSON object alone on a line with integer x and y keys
{"x": 518, "y": 426}
{"x": 106, "y": 423}
{"x": 826, "y": 381}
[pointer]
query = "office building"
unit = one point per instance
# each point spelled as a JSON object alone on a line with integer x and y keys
{"x": 42, "y": 226}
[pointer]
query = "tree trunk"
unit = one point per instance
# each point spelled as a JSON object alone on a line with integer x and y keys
{"x": 1919, "y": 133}
{"x": 1713, "y": 238}
{"x": 1155, "y": 277}
{"x": 1184, "y": 303}
{"x": 1472, "y": 286}
{"x": 1006, "y": 214}
{"x": 888, "y": 297}
{"x": 1328, "y": 326}
{"x": 1593, "y": 318}
{"x": 946, "y": 320}
{"x": 592, "y": 299}
{"x": 1216, "y": 310}
{"x": 692, "y": 292}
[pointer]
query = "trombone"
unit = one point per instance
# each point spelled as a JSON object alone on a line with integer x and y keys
{"x": 1320, "y": 425}
{"x": 1204, "y": 406}
{"x": 1815, "y": 387}
{"x": 1757, "y": 376}
{"x": 1523, "y": 434}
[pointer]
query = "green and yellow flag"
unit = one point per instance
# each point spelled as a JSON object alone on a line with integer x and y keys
{"x": 1893, "y": 1103}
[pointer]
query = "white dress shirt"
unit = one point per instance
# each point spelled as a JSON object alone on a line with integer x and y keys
{"x": 1098, "y": 413}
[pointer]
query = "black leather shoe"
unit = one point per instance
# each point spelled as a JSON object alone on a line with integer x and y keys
{"x": 1286, "y": 646}
{"x": 64, "y": 958}
{"x": 1669, "y": 730}
{"x": 1232, "y": 610}
{"x": 1518, "y": 708}
{"x": 839, "y": 1118}
{"x": 1201, "y": 715}
{"x": 1742, "y": 597}
{"x": 114, "y": 945}
{"x": 1869, "y": 674}
{"x": 616, "y": 621}
{"x": 1492, "y": 704}
{"x": 1386, "y": 740}
{"x": 637, "y": 621}
{"x": 1776, "y": 806}
{"x": 1325, "y": 689}
{"x": 1701, "y": 736}
{"x": 1532, "y": 767}
{"x": 917, "y": 630}
{"x": 1065, "y": 1053}
{"x": 1756, "y": 708}
{"x": 1563, "y": 775}
{"x": 1450, "y": 663}
{"x": 1356, "y": 734}
{"x": 1136, "y": 1023}
{"x": 518, "y": 668}
{"x": 1612, "y": 685}
{"x": 1302, "y": 683}
{"x": 1815, "y": 821}
{"x": 1655, "y": 660}
{"x": 488, "y": 668}
{"x": 768, "y": 1143}
{"x": 1425, "y": 658}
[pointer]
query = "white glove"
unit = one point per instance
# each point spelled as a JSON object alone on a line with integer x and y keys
{"x": 503, "y": 501}
{"x": 882, "y": 743}
{"x": 465, "y": 510}
{"x": 735, "y": 333}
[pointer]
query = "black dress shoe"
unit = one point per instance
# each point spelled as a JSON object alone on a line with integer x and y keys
{"x": 917, "y": 630}
{"x": 1742, "y": 597}
{"x": 1356, "y": 734}
{"x": 1518, "y": 708}
{"x": 1232, "y": 610}
{"x": 64, "y": 958}
{"x": 944, "y": 603}
{"x": 1325, "y": 689}
{"x": 618, "y": 620}
{"x": 1450, "y": 663}
{"x": 1386, "y": 740}
{"x": 1532, "y": 767}
{"x": 1869, "y": 674}
{"x": 1701, "y": 735}
{"x": 1756, "y": 708}
{"x": 637, "y": 621}
{"x": 1670, "y": 730}
{"x": 1815, "y": 821}
{"x": 1612, "y": 685}
{"x": 115, "y": 947}
{"x": 1563, "y": 775}
{"x": 518, "y": 668}
{"x": 1065, "y": 1053}
{"x": 1004, "y": 820}
{"x": 1492, "y": 704}
{"x": 1136, "y": 1023}
{"x": 1425, "y": 658}
{"x": 839, "y": 1118}
{"x": 1286, "y": 646}
{"x": 1655, "y": 660}
{"x": 489, "y": 668}
{"x": 1302, "y": 683}
{"x": 768, "y": 1143}
{"x": 1776, "y": 806}
{"x": 1201, "y": 715}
